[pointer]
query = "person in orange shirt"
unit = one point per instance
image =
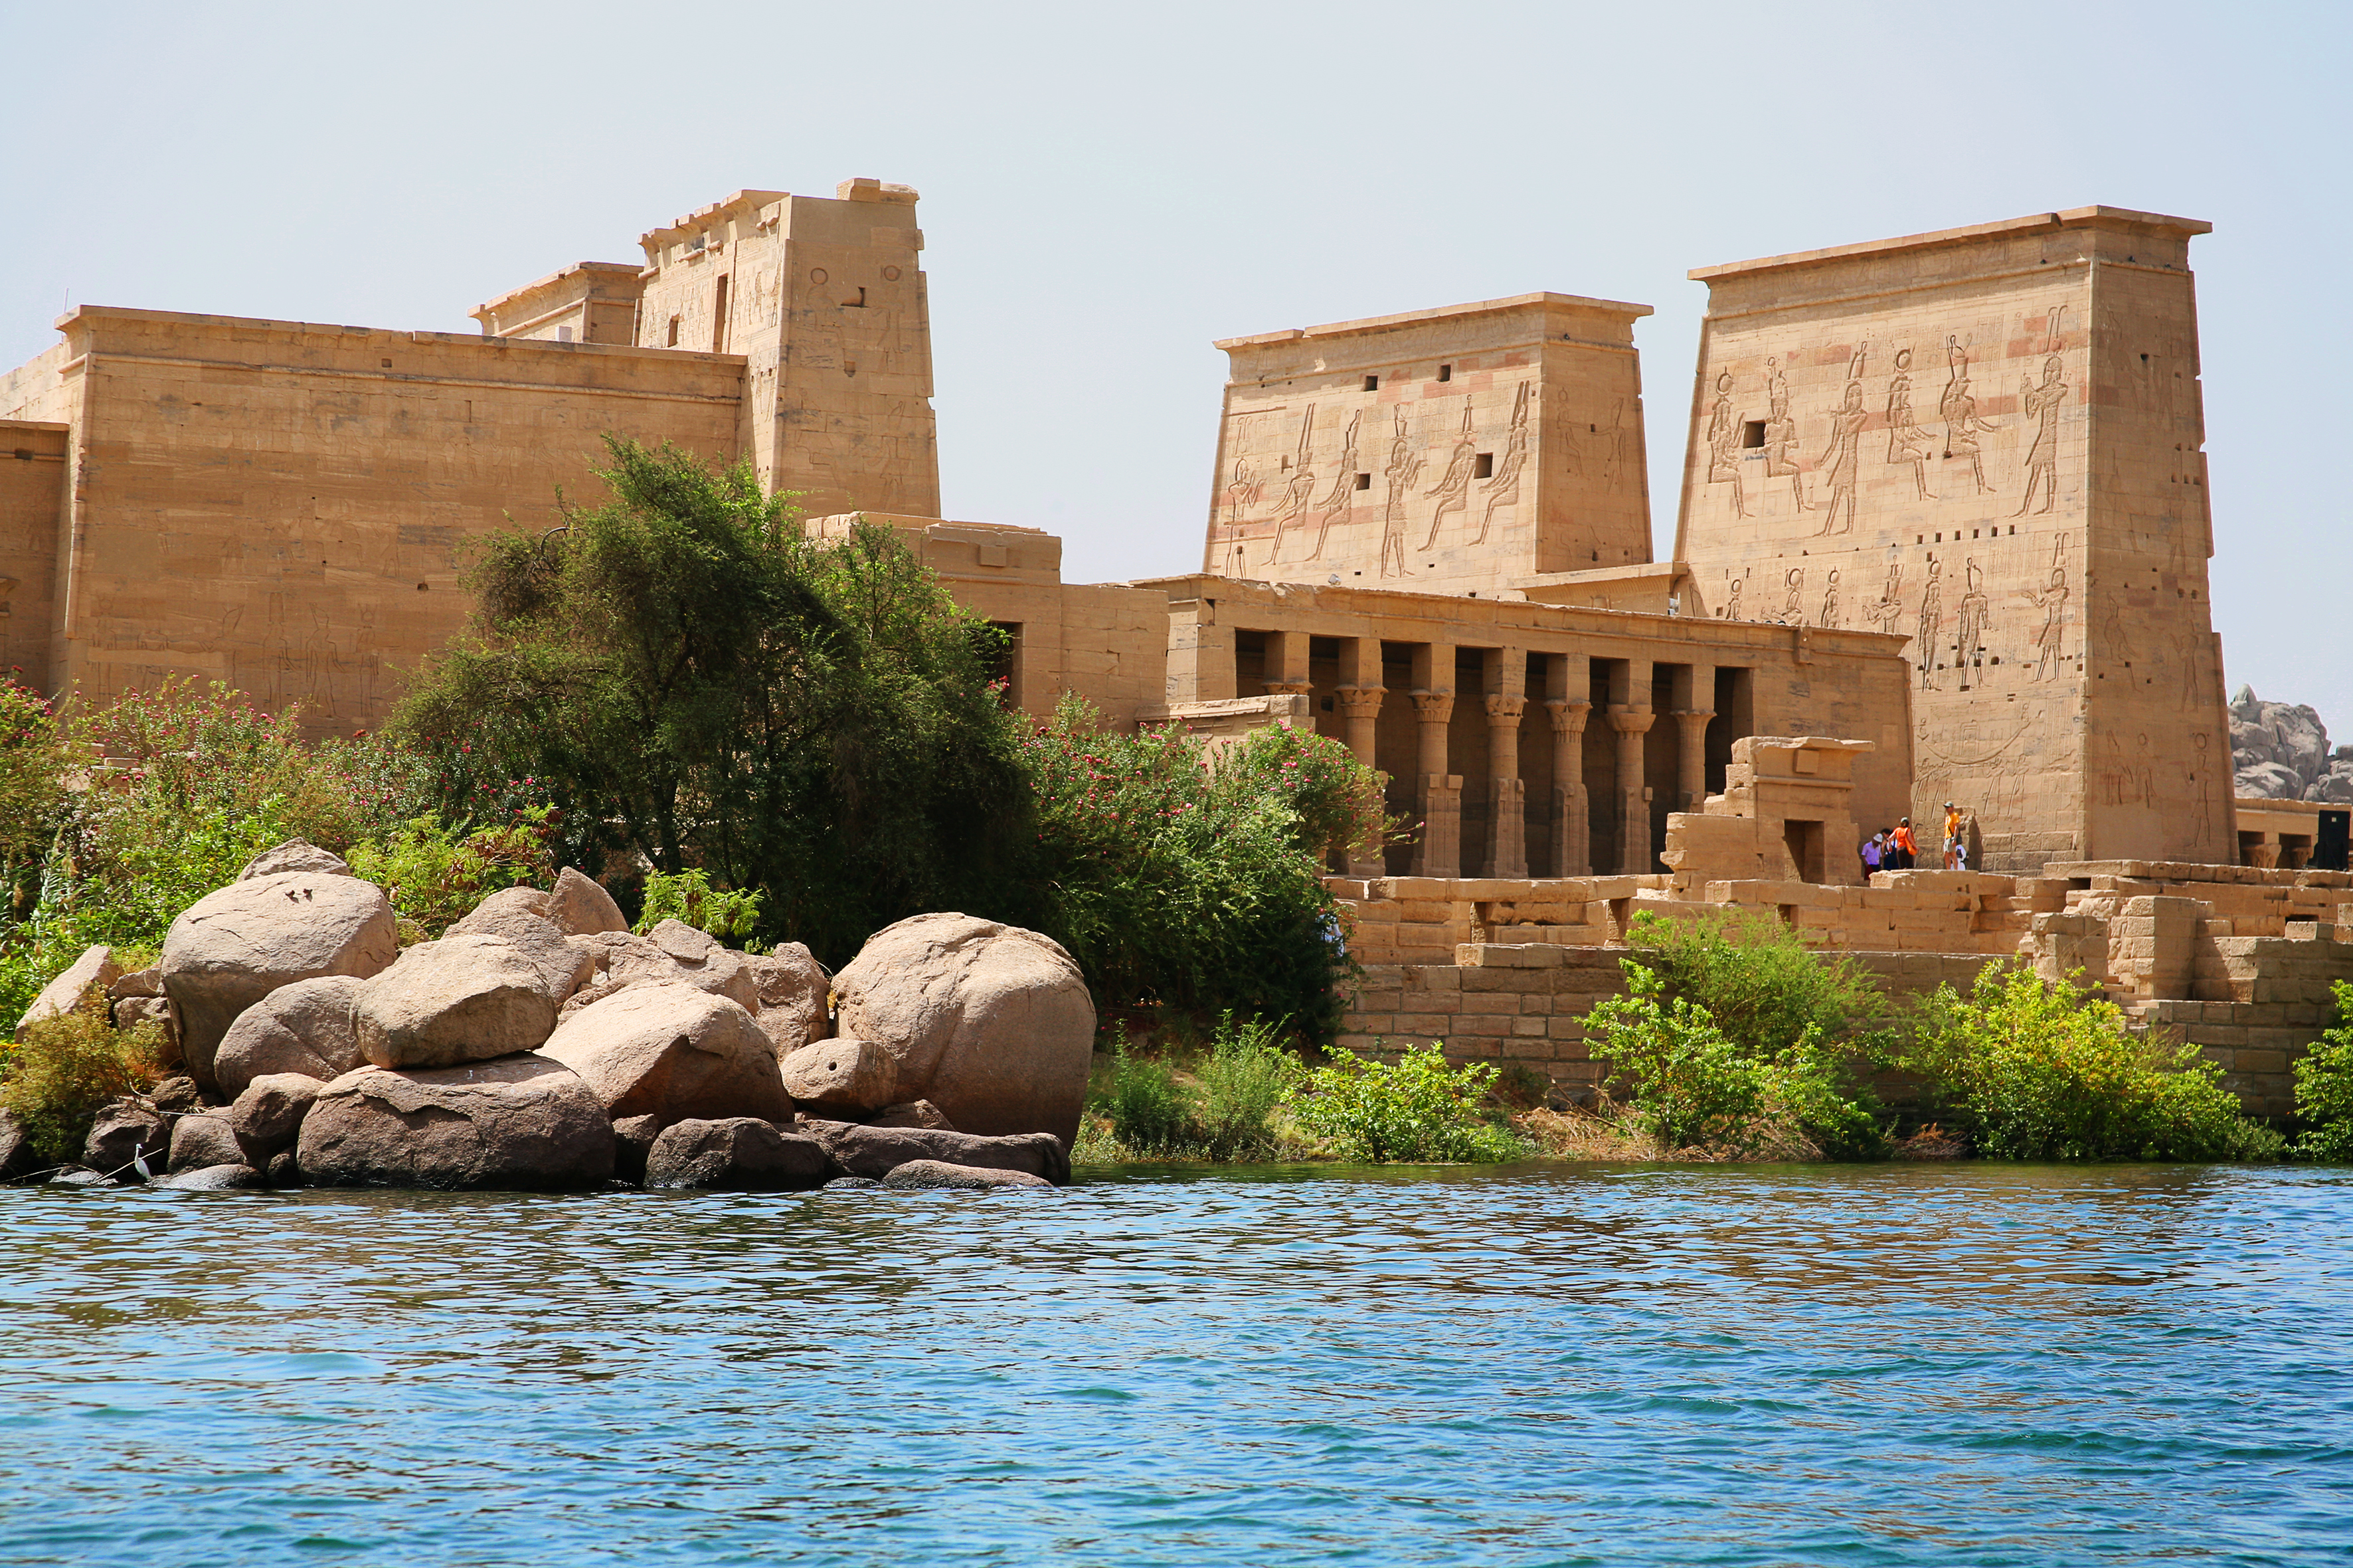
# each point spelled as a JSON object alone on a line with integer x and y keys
{"x": 1952, "y": 836}
{"x": 1907, "y": 848}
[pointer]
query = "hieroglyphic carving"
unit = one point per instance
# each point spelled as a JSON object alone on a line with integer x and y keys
{"x": 1454, "y": 488}
{"x": 1959, "y": 408}
{"x": 1241, "y": 494}
{"x": 1781, "y": 434}
{"x": 1343, "y": 493}
{"x": 1404, "y": 467}
{"x": 1793, "y": 607}
{"x": 1886, "y": 612}
{"x": 1504, "y": 489}
{"x": 1932, "y": 624}
{"x": 1723, "y": 431}
{"x": 2050, "y": 658}
{"x": 1295, "y": 494}
{"x": 1731, "y": 610}
{"x": 2042, "y": 404}
{"x": 1906, "y": 442}
{"x": 1840, "y": 459}
{"x": 1970, "y": 622}
{"x": 2199, "y": 776}
{"x": 1831, "y": 600}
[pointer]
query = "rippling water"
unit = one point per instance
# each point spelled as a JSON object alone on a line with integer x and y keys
{"x": 1950, "y": 1365}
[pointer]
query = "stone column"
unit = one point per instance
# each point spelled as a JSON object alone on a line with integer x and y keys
{"x": 1440, "y": 853}
{"x": 1572, "y": 818}
{"x": 1634, "y": 856}
{"x": 1286, "y": 665}
{"x": 1691, "y": 779}
{"x": 1360, "y": 705}
{"x": 1506, "y": 795}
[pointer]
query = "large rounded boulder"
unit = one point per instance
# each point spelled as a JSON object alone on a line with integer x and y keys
{"x": 523, "y": 1123}
{"x": 233, "y": 947}
{"x": 306, "y": 1028}
{"x": 673, "y": 1052}
{"x": 467, "y": 998}
{"x": 990, "y": 1023}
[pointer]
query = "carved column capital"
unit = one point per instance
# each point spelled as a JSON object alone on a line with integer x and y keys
{"x": 1631, "y": 721}
{"x": 1567, "y": 718}
{"x": 1287, "y": 688}
{"x": 1694, "y": 718}
{"x": 1434, "y": 707}
{"x": 1506, "y": 709}
{"x": 1361, "y": 701}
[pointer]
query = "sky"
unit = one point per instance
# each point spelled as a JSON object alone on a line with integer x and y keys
{"x": 1106, "y": 189}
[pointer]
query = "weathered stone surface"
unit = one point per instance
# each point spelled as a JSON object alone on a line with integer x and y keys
{"x": 204, "y": 1140}
{"x": 78, "y": 1176}
{"x": 125, "y": 1131}
{"x": 308, "y": 1027}
{"x": 673, "y": 1052}
{"x": 863, "y": 1151}
{"x": 96, "y": 966}
{"x": 580, "y": 907}
{"x": 990, "y": 1023}
{"x": 461, "y": 999}
{"x": 852, "y": 1183}
{"x": 222, "y": 1178}
{"x": 294, "y": 855}
{"x": 633, "y": 1140}
{"x": 519, "y": 916}
{"x": 233, "y": 947}
{"x": 500, "y": 913}
{"x": 843, "y": 1074}
{"x": 736, "y": 1154}
{"x": 148, "y": 981}
{"x": 672, "y": 950}
{"x": 912, "y": 1113}
{"x": 268, "y": 1116}
{"x": 285, "y": 1170}
{"x": 522, "y": 1123}
{"x": 176, "y": 1096}
{"x": 976, "y": 1178}
{"x": 792, "y": 987}
{"x": 17, "y": 1159}
{"x": 134, "y": 1011}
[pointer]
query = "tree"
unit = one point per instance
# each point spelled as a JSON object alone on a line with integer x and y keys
{"x": 696, "y": 683}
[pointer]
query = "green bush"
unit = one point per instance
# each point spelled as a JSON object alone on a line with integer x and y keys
{"x": 1763, "y": 987}
{"x": 433, "y": 876}
{"x": 1418, "y": 1109}
{"x": 1695, "y": 1087}
{"x": 689, "y": 897}
{"x": 1243, "y": 1082}
{"x": 2036, "y": 1072}
{"x": 1148, "y": 1109}
{"x": 61, "y": 1074}
{"x": 2324, "y": 1089}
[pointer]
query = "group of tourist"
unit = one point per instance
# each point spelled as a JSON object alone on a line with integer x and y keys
{"x": 1896, "y": 849}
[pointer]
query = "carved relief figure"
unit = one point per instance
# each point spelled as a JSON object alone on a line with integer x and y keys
{"x": 1241, "y": 495}
{"x": 1970, "y": 621}
{"x": 1932, "y": 624}
{"x": 1724, "y": 443}
{"x": 1836, "y": 464}
{"x": 1404, "y": 467}
{"x": 1503, "y": 490}
{"x": 1293, "y": 505}
{"x": 1337, "y": 500}
{"x": 1781, "y": 434}
{"x": 2198, "y": 776}
{"x": 1960, "y": 411}
{"x": 1731, "y": 611}
{"x": 1906, "y": 442}
{"x": 2052, "y": 600}
{"x": 2144, "y": 772}
{"x": 1454, "y": 486}
{"x": 2042, "y": 405}
{"x": 1793, "y": 609}
{"x": 1829, "y": 600}
{"x": 1886, "y": 612}
{"x": 2115, "y": 635}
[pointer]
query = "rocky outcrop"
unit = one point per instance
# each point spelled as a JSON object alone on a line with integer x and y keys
{"x": 921, "y": 1174}
{"x": 307, "y": 1027}
{"x": 990, "y": 1023}
{"x": 793, "y": 988}
{"x": 294, "y": 855}
{"x": 841, "y": 1074}
{"x": 268, "y": 1117}
{"x": 736, "y": 1154}
{"x": 233, "y": 947}
{"x": 672, "y": 950}
{"x": 516, "y": 913}
{"x": 671, "y": 1052}
{"x": 863, "y": 1151}
{"x": 126, "y": 1133}
{"x": 201, "y": 1140}
{"x": 579, "y": 907}
{"x": 2280, "y": 751}
{"x": 912, "y": 1113}
{"x": 465, "y": 998}
{"x": 212, "y": 1179}
{"x": 524, "y": 1123}
{"x": 18, "y": 1159}
{"x": 96, "y": 966}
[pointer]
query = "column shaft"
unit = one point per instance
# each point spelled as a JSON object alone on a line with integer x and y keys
{"x": 1572, "y": 817}
{"x": 1634, "y": 857}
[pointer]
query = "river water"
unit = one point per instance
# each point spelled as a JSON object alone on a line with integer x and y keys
{"x": 1951, "y": 1365}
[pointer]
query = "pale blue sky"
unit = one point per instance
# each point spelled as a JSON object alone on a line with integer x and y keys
{"x": 1108, "y": 188}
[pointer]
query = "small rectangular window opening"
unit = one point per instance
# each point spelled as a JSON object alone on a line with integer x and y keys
{"x": 1752, "y": 433}
{"x": 1372, "y": 384}
{"x": 674, "y": 333}
{"x": 1483, "y": 465}
{"x": 1446, "y": 372}
{"x": 1364, "y": 482}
